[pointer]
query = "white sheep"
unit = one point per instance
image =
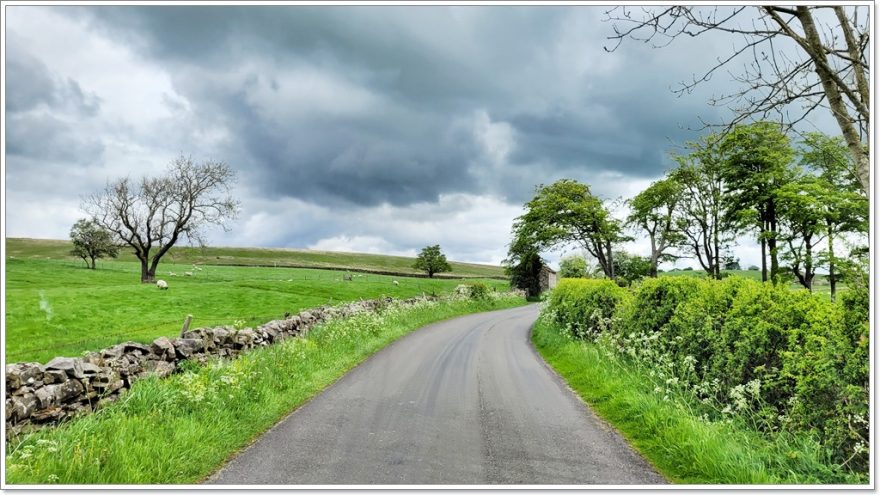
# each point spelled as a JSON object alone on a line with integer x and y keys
{"x": 188, "y": 274}
{"x": 172, "y": 274}
{"x": 395, "y": 282}
{"x": 161, "y": 284}
{"x": 197, "y": 268}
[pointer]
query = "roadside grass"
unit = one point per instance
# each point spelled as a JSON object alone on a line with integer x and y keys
{"x": 60, "y": 250}
{"x": 670, "y": 434}
{"x": 59, "y": 308}
{"x": 181, "y": 429}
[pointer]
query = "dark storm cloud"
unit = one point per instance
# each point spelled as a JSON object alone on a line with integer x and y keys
{"x": 425, "y": 72}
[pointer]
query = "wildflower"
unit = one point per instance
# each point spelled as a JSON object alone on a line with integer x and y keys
{"x": 754, "y": 387}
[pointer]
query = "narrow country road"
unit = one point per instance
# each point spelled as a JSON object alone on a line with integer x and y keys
{"x": 464, "y": 401}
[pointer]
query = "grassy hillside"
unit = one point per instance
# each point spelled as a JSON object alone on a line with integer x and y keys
{"x": 59, "y": 308}
{"x": 60, "y": 250}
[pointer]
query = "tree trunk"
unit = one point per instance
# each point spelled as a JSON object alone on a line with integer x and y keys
{"x": 763, "y": 257}
{"x": 831, "y": 276}
{"x": 654, "y": 258}
{"x": 608, "y": 256}
{"x": 93, "y": 262}
{"x": 147, "y": 275}
{"x": 771, "y": 241}
{"x": 716, "y": 249}
{"x": 808, "y": 265}
{"x": 835, "y": 100}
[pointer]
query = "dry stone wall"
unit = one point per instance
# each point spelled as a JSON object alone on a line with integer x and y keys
{"x": 37, "y": 394}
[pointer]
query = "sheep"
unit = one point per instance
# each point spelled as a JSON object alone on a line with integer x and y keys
{"x": 347, "y": 278}
{"x": 172, "y": 274}
{"x": 188, "y": 274}
{"x": 395, "y": 282}
{"x": 161, "y": 284}
{"x": 197, "y": 268}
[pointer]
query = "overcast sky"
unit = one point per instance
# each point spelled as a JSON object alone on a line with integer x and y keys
{"x": 370, "y": 129}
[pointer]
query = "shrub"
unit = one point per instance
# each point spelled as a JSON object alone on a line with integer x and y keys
{"x": 586, "y": 307}
{"x": 783, "y": 359}
{"x": 654, "y": 301}
{"x": 696, "y": 324}
{"x": 479, "y": 291}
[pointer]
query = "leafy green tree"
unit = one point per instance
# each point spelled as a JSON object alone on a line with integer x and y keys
{"x": 432, "y": 261}
{"x": 573, "y": 267}
{"x": 802, "y": 208}
{"x": 700, "y": 213}
{"x": 653, "y": 210}
{"x": 524, "y": 270}
{"x": 565, "y": 213}
{"x": 731, "y": 263}
{"x": 847, "y": 210}
{"x": 91, "y": 241}
{"x": 758, "y": 162}
{"x": 630, "y": 268}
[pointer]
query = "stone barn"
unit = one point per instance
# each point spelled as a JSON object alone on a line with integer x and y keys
{"x": 547, "y": 278}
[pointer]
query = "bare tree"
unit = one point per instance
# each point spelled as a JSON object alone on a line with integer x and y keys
{"x": 801, "y": 58}
{"x": 153, "y": 215}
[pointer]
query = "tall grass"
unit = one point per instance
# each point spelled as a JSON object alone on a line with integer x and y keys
{"x": 180, "y": 429}
{"x": 684, "y": 446}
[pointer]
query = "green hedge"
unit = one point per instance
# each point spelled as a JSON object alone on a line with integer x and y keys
{"x": 585, "y": 307}
{"x": 784, "y": 359}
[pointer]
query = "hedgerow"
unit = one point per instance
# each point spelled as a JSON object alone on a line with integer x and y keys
{"x": 781, "y": 360}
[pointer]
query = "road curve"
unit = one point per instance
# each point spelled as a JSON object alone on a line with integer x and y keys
{"x": 464, "y": 401}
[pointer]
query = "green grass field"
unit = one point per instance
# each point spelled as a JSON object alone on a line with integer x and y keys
{"x": 182, "y": 428}
{"x": 60, "y": 250}
{"x": 59, "y": 308}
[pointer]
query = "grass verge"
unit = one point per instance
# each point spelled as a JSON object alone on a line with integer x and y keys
{"x": 180, "y": 429}
{"x": 681, "y": 445}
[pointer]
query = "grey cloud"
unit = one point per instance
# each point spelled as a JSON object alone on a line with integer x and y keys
{"x": 48, "y": 138}
{"x": 30, "y": 83}
{"x": 432, "y": 66}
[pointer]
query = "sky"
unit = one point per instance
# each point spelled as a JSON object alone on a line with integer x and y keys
{"x": 364, "y": 129}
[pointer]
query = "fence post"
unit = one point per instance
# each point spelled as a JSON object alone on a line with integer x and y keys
{"x": 186, "y": 324}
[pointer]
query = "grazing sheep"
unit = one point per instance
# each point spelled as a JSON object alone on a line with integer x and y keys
{"x": 196, "y": 268}
{"x": 395, "y": 282}
{"x": 346, "y": 278}
{"x": 161, "y": 284}
{"x": 188, "y": 274}
{"x": 172, "y": 274}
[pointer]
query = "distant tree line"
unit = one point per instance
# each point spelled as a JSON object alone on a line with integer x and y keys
{"x": 802, "y": 203}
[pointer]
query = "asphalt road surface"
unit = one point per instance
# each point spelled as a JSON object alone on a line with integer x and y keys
{"x": 464, "y": 401}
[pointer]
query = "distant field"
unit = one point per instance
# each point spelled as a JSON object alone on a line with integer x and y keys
{"x": 820, "y": 282}
{"x": 56, "y": 307}
{"x": 60, "y": 250}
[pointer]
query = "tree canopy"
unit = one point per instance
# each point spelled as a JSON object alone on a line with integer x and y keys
{"x": 431, "y": 260}
{"x": 566, "y": 212}
{"x": 91, "y": 241}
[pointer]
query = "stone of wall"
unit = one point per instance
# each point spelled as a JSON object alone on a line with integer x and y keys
{"x": 38, "y": 394}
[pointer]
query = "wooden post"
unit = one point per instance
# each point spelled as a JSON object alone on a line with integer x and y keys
{"x": 186, "y": 324}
